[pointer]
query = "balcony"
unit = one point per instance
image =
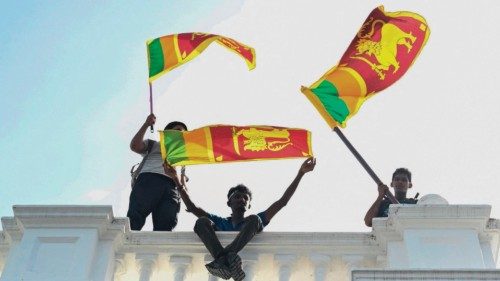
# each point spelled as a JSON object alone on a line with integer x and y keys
{"x": 83, "y": 243}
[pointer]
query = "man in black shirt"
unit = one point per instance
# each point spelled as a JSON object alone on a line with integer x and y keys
{"x": 401, "y": 182}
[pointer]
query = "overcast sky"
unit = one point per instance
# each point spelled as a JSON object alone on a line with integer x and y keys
{"x": 73, "y": 89}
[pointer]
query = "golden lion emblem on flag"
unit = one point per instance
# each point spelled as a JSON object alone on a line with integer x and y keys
{"x": 385, "y": 50}
{"x": 257, "y": 140}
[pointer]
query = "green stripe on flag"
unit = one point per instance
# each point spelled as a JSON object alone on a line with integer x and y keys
{"x": 328, "y": 94}
{"x": 175, "y": 146}
{"x": 156, "y": 60}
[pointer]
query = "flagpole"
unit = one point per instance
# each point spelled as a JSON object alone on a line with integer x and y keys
{"x": 363, "y": 163}
{"x": 151, "y": 102}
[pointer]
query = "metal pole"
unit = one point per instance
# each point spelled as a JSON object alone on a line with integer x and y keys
{"x": 363, "y": 163}
{"x": 151, "y": 103}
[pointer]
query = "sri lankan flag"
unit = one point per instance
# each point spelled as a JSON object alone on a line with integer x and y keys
{"x": 382, "y": 51}
{"x": 224, "y": 143}
{"x": 168, "y": 52}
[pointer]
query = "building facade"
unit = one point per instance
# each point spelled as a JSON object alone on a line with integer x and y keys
{"x": 87, "y": 243}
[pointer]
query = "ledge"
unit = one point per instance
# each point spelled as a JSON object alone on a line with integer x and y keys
{"x": 64, "y": 216}
{"x": 423, "y": 275}
{"x": 266, "y": 242}
{"x": 436, "y": 216}
{"x": 118, "y": 229}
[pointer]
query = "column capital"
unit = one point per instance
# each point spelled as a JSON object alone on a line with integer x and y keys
{"x": 120, "y": 267}
{"x": 320, "y": 259}
{"x": 146, "y": 261}
{"x": 285, "y": 263}
{"x": 285, "y": 259}
{"x": 180, "y": 263}
{"x": 180, "y": 260}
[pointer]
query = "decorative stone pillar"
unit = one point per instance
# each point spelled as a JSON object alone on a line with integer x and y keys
{"x": 249, "y": 264}
{"x": 120, "y": 268}
{"x": 321, "y": 263}
{"x": 285, "y": 264}
{"x": 146, "y": 265}
{"x": 351, "y": 262}
{"x": 180, "y": 265}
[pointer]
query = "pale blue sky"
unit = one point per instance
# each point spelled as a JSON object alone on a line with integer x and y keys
{"x": 62, "y": 64}
{"x": 73, "y": 91}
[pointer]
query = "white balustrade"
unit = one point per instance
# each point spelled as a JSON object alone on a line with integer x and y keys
{"x": 249, "y": 261}
{"x": 146, "y": 265}
{"x": 120, "y": 267}
{"x": 285, "y": 265}
{"x": 351, "y": 262}
{"x": 86, "y": 243}
{"x": 180, "y": 265}
{"x": 321, "y": 263}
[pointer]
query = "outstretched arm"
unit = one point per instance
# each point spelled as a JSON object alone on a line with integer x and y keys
{"x": 137, "y": 144}
{"x": 373, "y": 211}
{"x": 181, "y": 186}
{"x": 306, "y": 167}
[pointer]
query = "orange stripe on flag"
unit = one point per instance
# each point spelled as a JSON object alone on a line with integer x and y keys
{"x": 196, "y": 144}
{"x": 169, "y": 55}
{"x": 348, "y": 87}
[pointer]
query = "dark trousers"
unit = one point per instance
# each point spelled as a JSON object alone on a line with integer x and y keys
{"x": 204, "y": 227}
{"x": 157, "y": 194}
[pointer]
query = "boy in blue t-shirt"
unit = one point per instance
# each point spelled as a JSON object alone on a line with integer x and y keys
{"x": 226, "y": 262}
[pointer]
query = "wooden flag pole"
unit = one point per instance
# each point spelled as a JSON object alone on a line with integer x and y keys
{"x": 151, "y": 103}
{"x": 363, "y": 163}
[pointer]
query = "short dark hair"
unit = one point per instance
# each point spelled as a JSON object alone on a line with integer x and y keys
{"x": 172, "y": 124}
{"x": 239, "y": 188}
{"x": 403, "y": 171}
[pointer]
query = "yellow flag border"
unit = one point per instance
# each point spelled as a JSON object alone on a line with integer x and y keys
{"x": 210, "y": 147}
{"x": 197, "y": 51}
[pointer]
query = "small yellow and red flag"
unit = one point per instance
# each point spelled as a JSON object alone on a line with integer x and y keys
{"x": 168, "y": 52}
{"x": 383, "y": 50}
{"x": 226, "y": 143}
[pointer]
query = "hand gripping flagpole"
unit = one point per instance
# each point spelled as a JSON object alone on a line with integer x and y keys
{"x": 151, "y": 103}
{"x": 363, "y": 163}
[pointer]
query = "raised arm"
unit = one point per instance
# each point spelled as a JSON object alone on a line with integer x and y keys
{"x": 181, "y": 186}
{"x": 373, "y": 211}
{"x": 137, "y": 144}
{"x": 306, "y": 167}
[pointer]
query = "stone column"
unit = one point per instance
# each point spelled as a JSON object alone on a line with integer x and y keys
{"x": 146, "y": 265}
{"x": 321, "y": 263}
{"x": 285, "y": 264}
{"x": 180, "y": 265}
{"x": 3, "y": 258}
{"x": 120, "y": 268}
{"x": 351, "y": 262}
{"x": 249, "y": 264}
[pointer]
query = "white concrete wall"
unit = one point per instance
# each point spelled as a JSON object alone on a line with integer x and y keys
{"x": 443, "y": 248}
{"x": 52, "y": 254}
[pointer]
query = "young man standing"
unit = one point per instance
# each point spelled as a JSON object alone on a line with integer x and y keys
{"x": 154, "y": 191}
{"x": 401, "y": 182}
{"x": 226, "y": 262}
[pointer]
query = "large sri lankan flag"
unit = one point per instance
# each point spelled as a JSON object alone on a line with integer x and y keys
{"x": 383, "y": 50}
{"x": 168, "y": 52}
{"x": 225, "y": 143}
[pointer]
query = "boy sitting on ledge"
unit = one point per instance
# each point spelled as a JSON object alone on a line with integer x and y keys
{"x": 227, "y": 262}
